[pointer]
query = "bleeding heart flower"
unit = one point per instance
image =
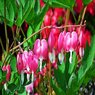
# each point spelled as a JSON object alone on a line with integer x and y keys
{"x": 47, "y": 20}
{"x": 61, "y": 41}
{"x": 84, "y": 37}
{"x": 33, "y": 63}
{"x": 19, "y": 63}
{"x": 70, "y": 43}
{"x": 51, "y": 41}
{"x": 8, "y": 69}
{"x": 29, "y": 88}
{"x": 41, "y": 48}
{"x": 78, "y": 6}
{"x": 91, "y": 8}
{"x": 25, "y": 60}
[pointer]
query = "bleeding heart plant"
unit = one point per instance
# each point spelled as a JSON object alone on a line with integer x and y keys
{"x": 49, "y": 47}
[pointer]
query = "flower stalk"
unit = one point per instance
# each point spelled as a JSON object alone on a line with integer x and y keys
{"x": 61, "y": 27}
{"x": 6, "y": 34}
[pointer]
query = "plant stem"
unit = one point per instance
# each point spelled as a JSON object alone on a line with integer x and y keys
{"x": 43, "y": 29}
{"x": 23, "y": 33}
{"x": 50, "y": 89}
{"x": 84, "y": 11}
{"x": 67, "y": 17}
{"x": 13, "y": 36}
{"x": 74, "y": 17}
{"x": 6, "y": 34}
{"x": 2, "y": 45}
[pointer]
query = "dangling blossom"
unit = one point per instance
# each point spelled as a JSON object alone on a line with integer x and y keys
{"x": 70, "y": 43}
{"x": 51, "y": 42}
{"x": 84, "y": 37}
{"x": 60, "y": 46}
{"x": 27, "y": 62}
{"x": 8, "y": 69}
{"x": 29, "y": 88}
{"x": 41, "y": 50}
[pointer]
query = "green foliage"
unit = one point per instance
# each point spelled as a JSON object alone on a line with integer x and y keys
{"x": 86, "y": 63}
{"x": 24, "y": 8}
{"x": 0, "y": 75}
{"x": 86, "y": 2}
{"x": 68, "y": 80}
{"x": 63, "y": 3}
{"x": 57, "y": 89}
{"x": 13, "y": 63}
{"x": 7, "y": 11}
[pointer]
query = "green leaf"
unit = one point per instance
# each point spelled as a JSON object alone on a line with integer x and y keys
{"x": 1, "y": 63}
{"x": 0, "y": 75}
{"x": 40, "y": 16}
{"x": 37, "y": 6}
{"x": 13, "y": 63}
{"x": 24, "y": 93}
{"x": 67, "y": 68}
{"x": 25, "y": 45}
{"x": 21, "y": 90}
{"x": 24, "y": 9}
{"x": 29, "y": 33}
{"x": 10, "y": 13}
{"x": 86, "y": 2}
{"x": 63, "y": 3}
{"x": 73, "y": 65}
{"x": 90, "y": 74}
{"x": 87, "y": 60}
{"x": 4, "y": 76}
{"x": 22, "y": 2}
{"x": 29, "y": 5}
{"x": 72, "y": 84}
{"x": 30, "y": 17}
{"x": 4, "y": 92}
{"x": 60, "y": 76}
{"x": 57, "y": 89}
{"x": 1, "y": 8}
{"x": 19, "y": 16}
{"x": 12, "y": 87}
{"x": 62, "y": 67}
